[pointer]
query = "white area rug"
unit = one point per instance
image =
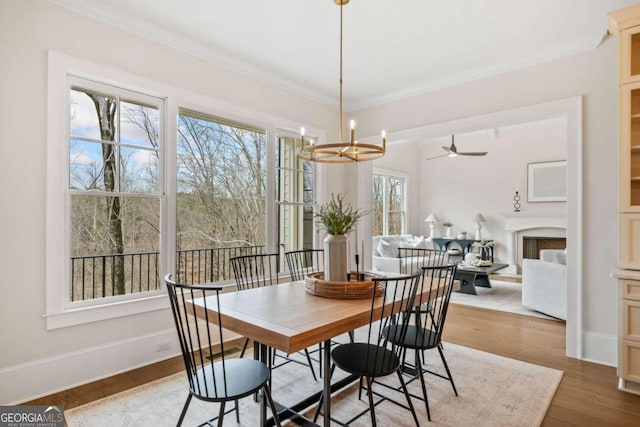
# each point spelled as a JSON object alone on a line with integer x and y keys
{"x": 502, "y": 296}
{"x": 493, "y": 391}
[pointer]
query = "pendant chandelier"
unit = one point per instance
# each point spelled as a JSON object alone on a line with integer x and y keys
{"x": 341, "y": 152}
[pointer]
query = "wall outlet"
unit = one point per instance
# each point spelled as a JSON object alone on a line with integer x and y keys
{"x": 163, "y": 346}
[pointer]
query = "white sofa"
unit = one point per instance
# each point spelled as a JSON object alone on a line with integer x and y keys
{"x": 544, "y": 283}
{"x": 386, "y": 257}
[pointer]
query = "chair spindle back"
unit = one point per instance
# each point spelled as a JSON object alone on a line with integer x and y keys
{"x": 200, "y": 339}
{"x": 304, "y": 261}
{"x": 253, "y": 271}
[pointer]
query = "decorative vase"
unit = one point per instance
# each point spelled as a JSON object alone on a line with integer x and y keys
{"x": 485, "y": 255}
{"x": 336, "y": 262}
{"x": 448, "y": 233}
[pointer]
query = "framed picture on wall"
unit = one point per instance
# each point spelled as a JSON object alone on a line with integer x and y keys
{"x": 547, "y": 181}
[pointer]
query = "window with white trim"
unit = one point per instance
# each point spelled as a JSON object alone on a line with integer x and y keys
{"x": 221, "y": 195}
{"x": 388, "y": 203}
{"x": 114, "y": 191}
{"x": 295, "y": 198}
{"x": 128, "y": 190}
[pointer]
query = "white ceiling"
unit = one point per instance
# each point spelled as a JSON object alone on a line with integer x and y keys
{"x": 392, "y": 49}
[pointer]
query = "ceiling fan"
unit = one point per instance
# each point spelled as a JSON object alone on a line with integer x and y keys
{"x": 452, "y": 151}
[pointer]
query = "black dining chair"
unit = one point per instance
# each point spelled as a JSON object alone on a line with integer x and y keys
{"x": 303, "y": 262}
{"x": 373, "y": 355}
{"x": 422, "y": 258}
{"x": 258, "y": 270}
{"x": 425, "y": 333}
{"x": 212, "y": 376}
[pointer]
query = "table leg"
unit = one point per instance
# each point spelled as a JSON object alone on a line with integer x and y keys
{"x": 467, "y": 280}
{"x": 483, "y": 281}
{"x": 265, "y": 356}
{"x": 327, "y": 383}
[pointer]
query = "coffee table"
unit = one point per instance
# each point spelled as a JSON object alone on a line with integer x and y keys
{"x": 470, "y": 277}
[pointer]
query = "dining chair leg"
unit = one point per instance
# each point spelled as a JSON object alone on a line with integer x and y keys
{"x": 372, "y": 407}
{"x": 313, "y": 372}
{"x": 274, "y": 411}
{"x": 360, "y": 389}
{"x": 257, "y": 356}
{"x": 422, "y": 383}
{"x": 446, "y": 367}
{"x": 184, "y": 410}
{"x": 244, "y": 347}
{"x": 221, "y": 414}
{"x": 237, "y": 413}
{"x": 406, "y": 394}
{"x": 320, "y": 359}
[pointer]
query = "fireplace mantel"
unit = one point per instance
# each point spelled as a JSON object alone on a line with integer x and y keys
{"x": 517, "y": 221}
{"x": 517, "y": 224}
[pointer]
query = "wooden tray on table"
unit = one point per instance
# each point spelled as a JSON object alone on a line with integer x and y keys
{"x": 316, "y": 285}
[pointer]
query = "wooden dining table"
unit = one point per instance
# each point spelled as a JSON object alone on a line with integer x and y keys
{"x": 287, "y": 318}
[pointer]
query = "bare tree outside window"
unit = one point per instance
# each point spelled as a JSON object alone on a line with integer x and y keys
{"x": 114, "y": 152}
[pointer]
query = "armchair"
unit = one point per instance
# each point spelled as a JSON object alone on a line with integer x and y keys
{"x": 544, "y": 283}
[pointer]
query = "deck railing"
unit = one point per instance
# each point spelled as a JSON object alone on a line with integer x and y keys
{"x": 209, "y": 264}
{"x": 95, "y": 276}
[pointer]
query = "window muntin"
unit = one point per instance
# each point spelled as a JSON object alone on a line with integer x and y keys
{"x": 114, "y": 191}
{"x": 388, "y": 201}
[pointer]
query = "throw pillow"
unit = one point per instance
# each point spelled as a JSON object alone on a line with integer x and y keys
{"x": 560, "y": 258}
{"x": 387, "y": 250}
{"x": 418, "y": 243}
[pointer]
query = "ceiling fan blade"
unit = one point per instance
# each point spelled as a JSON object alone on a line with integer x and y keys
{"x": 447, "y": 149}
{"x": 476, "y": 153}
{"x": 438, "y": 157}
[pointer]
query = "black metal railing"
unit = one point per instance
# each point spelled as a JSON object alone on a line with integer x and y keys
{"x": 209, "y": 264}
{"x": 99, "y": 276}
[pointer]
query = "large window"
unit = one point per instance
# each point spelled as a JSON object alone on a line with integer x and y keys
{"x": 221, "y": 195}
{"x": 295, "y": 182}
{"x": 114, "y": 191}
{"x": 141, "y": 183}
{"x": 388, "y": 203}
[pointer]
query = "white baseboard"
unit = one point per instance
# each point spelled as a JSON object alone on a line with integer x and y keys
{"x": 27, "y": 381}
{"x": 600, "y": 348}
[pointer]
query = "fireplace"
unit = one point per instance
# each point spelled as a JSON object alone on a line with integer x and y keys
{"x": 540, "y": 229}
{"x": 532, "y": 245}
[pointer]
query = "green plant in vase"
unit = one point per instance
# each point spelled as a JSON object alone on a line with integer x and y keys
{"x": 337, "y": 219}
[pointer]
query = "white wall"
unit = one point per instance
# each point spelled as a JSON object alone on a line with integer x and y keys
{"x": 33, "y": 360}
{"x": 591, "y": 75}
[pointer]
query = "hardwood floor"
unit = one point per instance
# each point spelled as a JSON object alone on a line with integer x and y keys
{"x": 587, "y": 395}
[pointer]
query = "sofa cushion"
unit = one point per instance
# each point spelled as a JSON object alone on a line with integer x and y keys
{"x": 416, "y": 243}
{"x": 560, "y": 258}
{"x": 388, "y": 249}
